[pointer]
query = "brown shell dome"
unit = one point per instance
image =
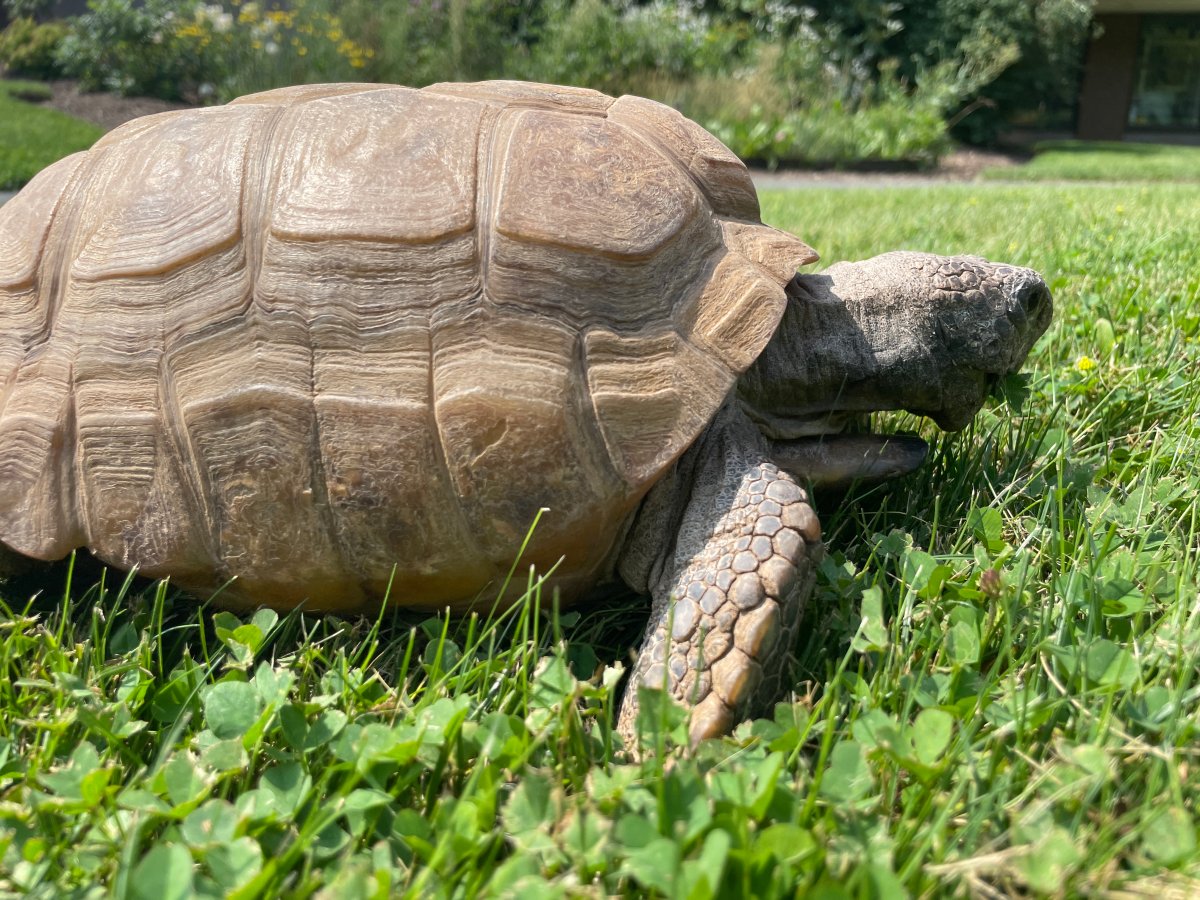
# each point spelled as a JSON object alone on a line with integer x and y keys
{"x": 328, "y": 331}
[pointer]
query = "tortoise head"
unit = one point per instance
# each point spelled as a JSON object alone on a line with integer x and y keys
{"x": 929, "y": 334}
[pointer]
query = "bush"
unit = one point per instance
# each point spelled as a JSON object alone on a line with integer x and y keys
{"x": 824, "y": 82}
{"x": 242, "y": 49}
{"x": 1025, "y": 56}
{"x": 117, "y": 46}
{"x": 28, "y": 49}
{"x": 790, "y": 105}
{"x": 24, "y": 9}
{"x": 419, "y": 42}
{"x": 893, "y": 130}
{"x": 614, "y": 47}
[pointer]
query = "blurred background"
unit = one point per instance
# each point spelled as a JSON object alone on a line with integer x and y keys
{"x": 845, "y": 83}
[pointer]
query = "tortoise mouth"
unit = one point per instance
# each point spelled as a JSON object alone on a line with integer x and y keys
{"x": 834, "y": 448}
{"x": 785, "y": 424}
{"x": 837, "y": 459}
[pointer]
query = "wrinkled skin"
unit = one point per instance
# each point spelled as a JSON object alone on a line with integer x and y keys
{"x": 727, "y": 544}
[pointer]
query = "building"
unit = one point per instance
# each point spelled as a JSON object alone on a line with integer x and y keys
{"x": 1141, "y": 77}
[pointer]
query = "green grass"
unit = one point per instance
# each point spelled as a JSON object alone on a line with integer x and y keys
{"x": 999, "y": 690}
{"x": 1104, "y": 161}
{"x": 34, "y": 136}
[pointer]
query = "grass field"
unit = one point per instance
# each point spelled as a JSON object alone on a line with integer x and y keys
{"x": 32, "y": 136}
{"x": 1105, "y": 161}
{"x": 998, "y": 695}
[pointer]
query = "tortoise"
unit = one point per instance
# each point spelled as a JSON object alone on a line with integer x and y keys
{"x": 342, "y": 343}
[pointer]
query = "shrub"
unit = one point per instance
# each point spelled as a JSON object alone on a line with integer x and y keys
{"x": 24, "y": 9}
{"x": 418, "y": 42}
{"x": 790, "y": 104}
{"x": 28, "y": 49}
{"x": 890, "y": 131}
{"x": 242, "y": 49}
{"x": 1030, "y": 53}
{"x": 613, "y": 47}
{"x": 131, "y": 49}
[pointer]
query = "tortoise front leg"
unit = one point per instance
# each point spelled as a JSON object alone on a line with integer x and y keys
{"x": 728, "y": 602}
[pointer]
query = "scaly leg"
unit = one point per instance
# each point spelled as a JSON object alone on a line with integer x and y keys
{"x": 728, "y": 598}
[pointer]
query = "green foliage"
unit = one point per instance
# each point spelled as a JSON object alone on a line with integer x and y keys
{"x": 25, "y": 9}
{"x": 788, "y": 107}
{"x": 33, "y": 137}
{"x": 872, "y": 81}
{"x": 897, "y": 127}
{"x": 616, "y": 47}
{"x": 418, "y": 42}
{"x": 131, "y": 49}
{"x": 1016, "y": 57}
{"x": 182, "y": 49}
{"x": 1046, "y": 40}
{"x": 28, "y": 49}
{"x": 242, "y": 48}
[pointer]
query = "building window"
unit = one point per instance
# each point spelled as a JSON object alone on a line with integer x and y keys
{"x": 1166, "y": 92}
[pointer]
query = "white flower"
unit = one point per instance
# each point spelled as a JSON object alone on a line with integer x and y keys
{"x": 271, "y": 48}
{"x": 223, "y": 23}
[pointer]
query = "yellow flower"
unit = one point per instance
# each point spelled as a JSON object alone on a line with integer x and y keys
{"x": 1084, "y": 364}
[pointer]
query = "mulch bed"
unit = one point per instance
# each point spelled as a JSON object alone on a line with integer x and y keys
{"x": 103, "y": 109}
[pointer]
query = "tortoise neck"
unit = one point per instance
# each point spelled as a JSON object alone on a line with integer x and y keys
{"x": 818, "y": 367}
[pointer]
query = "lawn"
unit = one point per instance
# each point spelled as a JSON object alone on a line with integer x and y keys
{"x": 34, "y": 136}
{"x": 998, "y": 693}
{"x": 1104, "y": 161}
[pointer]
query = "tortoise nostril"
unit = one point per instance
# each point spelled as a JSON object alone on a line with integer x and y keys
{"x": 1033, "y": 297}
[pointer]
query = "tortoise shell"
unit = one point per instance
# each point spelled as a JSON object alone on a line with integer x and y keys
{"x": 338, "y": 340}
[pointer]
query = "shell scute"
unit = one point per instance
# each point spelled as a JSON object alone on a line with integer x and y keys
{"x": 589, "y": 185}
{"x": 165, "y": 197}
{"x": 652, "y": 395}
{"x": 718, "y": 172}
{"x": 392, "y": 165}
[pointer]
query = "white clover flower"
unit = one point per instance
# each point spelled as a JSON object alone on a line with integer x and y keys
{"x": 271, "y": 48}
{"x": 223, "y": 23}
